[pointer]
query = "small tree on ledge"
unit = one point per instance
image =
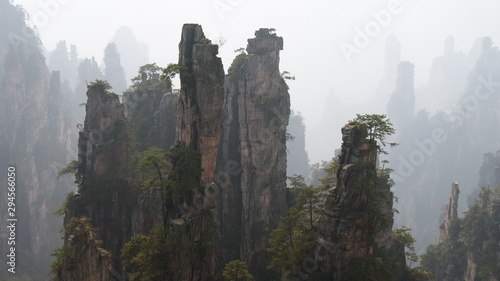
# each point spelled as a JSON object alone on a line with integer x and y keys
{"x": 378, "y": 127}
{"x": 235, "y": 271}
{"x": 100, "y": 84}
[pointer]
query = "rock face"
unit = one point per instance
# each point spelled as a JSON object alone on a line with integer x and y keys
{"x": 37, "y": 137}
{"x": 165, "y": 121}
{"x": 104, "y": 113}
{"x": 104, "y": 197}
{"x": 199, "y": 119}
{"x": 112, "y": 205}
{"x": 297, "y": 158}
{"x": 468, "y": 131}
{"x": 450, "y": 212}
{"x": 114, "y": 72}
{"x": 251, "y": 168}
{"x": 447, "y": 79}
{"x": 358, "y": 215}
{"x": 401, "y": 105}
{"x": 150, "y": 105}
{"x": 198, "y": 127}
{"x": 489, "y": 173}
{"x": 387, "y": 84}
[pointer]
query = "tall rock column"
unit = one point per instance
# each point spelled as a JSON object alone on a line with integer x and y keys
{"x": 37, "y": 137}
{"x": 251, "y": 169}
{"x": 489, "y": 173}
{"x": 450, "y": 212}
{"x": 199, "y": 109}
{"x": 198, "y": 127}
{"x": 356, "y": 226}
{"x": 101, "y": 210}
{"x": 401, "y": 105}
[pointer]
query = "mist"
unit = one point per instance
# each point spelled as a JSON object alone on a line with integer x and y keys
{"x": 419, "y": 62}
{"x": 314, "y": 32}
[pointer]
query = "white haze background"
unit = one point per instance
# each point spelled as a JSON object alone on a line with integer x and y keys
{"x": 312, "y": 30}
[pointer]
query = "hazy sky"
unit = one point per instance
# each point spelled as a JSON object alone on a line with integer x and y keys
{"x": 313, "y": 32}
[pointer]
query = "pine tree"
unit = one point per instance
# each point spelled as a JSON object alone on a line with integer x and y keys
{"x": 236, "y": 270}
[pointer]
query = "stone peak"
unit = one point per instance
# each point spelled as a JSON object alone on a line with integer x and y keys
{"x": 265, "y": 32}
{"x": 194, "y": 32}
{"x": 450, "y": 212}
{"x": 265, "y": 41}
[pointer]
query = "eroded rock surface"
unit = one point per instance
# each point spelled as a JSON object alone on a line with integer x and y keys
{"x": 251, "y": 168}
{"x": 358, "y": 218}
{"x": 199, "y": 109}
{"x": 450, "y": 212}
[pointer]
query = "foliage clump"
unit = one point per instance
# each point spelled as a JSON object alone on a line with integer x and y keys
{"x": 378, "y": 127}
{"x": 235, "y": 271}
{"x": 63, "y": 259}
{"x": 78, "y": 231}
{"x": 368, "y": 269}
{"x": 403, "y": 236}
{"x": 64, "y": 207}
{"x": 152, "y": 257}
{"x": 157, "y": 78}
{"x": 71, "y": 168}
{"x": 295, "y": 237}
{"x": 234, "y": 69}
{"x": 170, "y": 248}
{"x": 473, "y": 237}
{"x": 101, "y": 85}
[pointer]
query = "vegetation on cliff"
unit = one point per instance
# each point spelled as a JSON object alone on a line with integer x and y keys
{"x": 235, "y": 271}
{"x": 378, "y": 127}
{"x": 472, "y": 243}
{"x": 294, "y": 238}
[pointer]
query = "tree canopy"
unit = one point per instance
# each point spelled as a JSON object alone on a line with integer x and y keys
{"x": 378, "y": 127}
{"x": 295, "y": 237}
{"x": 236, "y": 270}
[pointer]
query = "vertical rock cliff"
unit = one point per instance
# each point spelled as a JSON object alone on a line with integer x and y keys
{"x": 109, "y": 205}
{"x": 468, "y": 247}
{"x": 198, "y": 128}
{"x": 392, "y": 58}
{"x": 150, "y": 105}
{"x": 199, "y": 109}
{"x": 447, "y": 79}
{"x": 489, "y": 173}
{"x": 37, "y": 136}
{"x": 356, "y": 226}
{"x": 297, "y": 158}
{"x": 101, "y": 210}
{"x": 251, "y": 168}
{"x": 401, "y": 105}
{"x": 114, "y": 73}
{"x": 444, "y": 146}
{"x": 450, "y": 212}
